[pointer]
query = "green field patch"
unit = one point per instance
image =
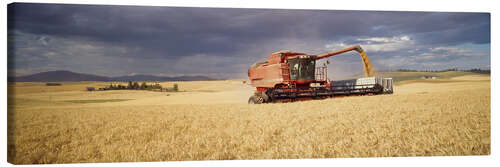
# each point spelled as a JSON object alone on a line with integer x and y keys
{"x": 97, "y": 100}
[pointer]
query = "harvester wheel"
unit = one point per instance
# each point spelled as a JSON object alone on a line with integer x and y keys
{"x": 255, "y": 100}
{"x": 251, "y": 100}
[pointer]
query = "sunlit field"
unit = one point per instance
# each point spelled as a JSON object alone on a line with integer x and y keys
{"x": 211, "y": 120}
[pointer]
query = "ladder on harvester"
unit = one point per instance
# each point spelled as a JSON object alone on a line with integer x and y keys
{"x": 321, "y": 73}
{"x": 285, "y": 73}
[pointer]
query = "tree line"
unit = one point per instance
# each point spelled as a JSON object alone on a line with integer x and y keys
{"x": 143, "y": 86}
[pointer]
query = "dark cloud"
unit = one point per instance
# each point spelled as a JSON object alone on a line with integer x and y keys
{"x": 134, "y": 36}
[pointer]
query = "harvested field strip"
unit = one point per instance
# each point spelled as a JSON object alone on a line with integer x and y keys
{"x": 97, "y": 100}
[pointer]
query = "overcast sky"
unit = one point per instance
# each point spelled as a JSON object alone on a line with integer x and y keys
{"x": 223, "y": 43}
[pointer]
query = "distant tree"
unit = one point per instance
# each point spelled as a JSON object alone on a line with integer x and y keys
{"x": 136, "y": 85}
{"x": 406, "y": 70}
{"x": 130, "y": 86}
{"x": 121, "y": 87}
{"x": 143, "y": 85}
{"x": 176, "y": 88}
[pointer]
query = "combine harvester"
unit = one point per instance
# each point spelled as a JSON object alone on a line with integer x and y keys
{"x": 290, "y": 76}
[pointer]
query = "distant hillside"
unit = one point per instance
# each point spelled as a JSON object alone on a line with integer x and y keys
{"x": 58, "y": 76}
{"x": 61, "y": 76}
{"x": 398, "y": 76}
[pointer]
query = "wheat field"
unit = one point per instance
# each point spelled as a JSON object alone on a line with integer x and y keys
{"x": 210, "y": 120}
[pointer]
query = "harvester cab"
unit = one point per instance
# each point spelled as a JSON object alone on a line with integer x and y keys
{"x": 290, "y": 76}
{"x": 302, "y": 68}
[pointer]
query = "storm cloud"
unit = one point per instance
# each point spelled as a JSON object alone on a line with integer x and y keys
{"x": 224, "y": 42}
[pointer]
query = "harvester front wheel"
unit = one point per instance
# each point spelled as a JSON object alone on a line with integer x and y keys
{"x": 255, "y": 100}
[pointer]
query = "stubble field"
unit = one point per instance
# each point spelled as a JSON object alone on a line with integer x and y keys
{"x": 210, "y": 120}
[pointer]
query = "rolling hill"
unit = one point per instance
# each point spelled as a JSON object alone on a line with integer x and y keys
{"x": 58, "y": 76}
{"x": 399, "y": 76}
{"x": 61, "y": 76}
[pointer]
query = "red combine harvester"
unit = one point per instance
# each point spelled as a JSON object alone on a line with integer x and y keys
{"x": 290, "y": 76}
